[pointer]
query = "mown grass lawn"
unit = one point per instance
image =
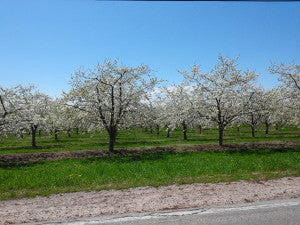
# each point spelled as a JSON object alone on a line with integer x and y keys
{"x": 141, "y": 138}
{"x": 43, "y": 178}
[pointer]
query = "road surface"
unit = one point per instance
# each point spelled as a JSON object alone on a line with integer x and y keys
{"x": 279, "y": 212}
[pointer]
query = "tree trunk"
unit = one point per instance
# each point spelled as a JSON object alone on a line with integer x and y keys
{"x": 184, "y": 130}
{"x": 253, "y": 131}
{"x": 69, "y": 132}
{"x": 221, "y": 133}
{"x": 200, "y": 129}
{"x": 40, "y": 133}
{"x": 112, "y": 139}
{"x": 168, "y": 132}
{"x": 157, "y": 130}
{"x": 267, "y": 127}
{"x": 77, "y": 130}
{"x": 220, "y": 123}
{"x": 238, "y": 129}
{"x": 21, "y": 134}
{"x": 252, "y": 126}
{"x": 55, "y": 134}
{"x": 33, "y": 135}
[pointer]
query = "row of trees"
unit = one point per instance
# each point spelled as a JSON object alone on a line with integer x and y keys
{"x": 113, "y": 96}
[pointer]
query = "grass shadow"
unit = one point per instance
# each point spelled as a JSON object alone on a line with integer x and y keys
{"x": 127, "y": 159}
{"x": 262, "y": 151}
{"x": 32, "y": 148}
{"x": 18, "y": 165}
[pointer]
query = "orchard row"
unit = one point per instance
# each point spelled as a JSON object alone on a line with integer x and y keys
{"x": 113, "y": 96}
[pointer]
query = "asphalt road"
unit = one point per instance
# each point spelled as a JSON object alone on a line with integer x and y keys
{"x": 279, "y": 212}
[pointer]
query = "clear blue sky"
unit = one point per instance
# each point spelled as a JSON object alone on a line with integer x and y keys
{"x": 44, "y": 41}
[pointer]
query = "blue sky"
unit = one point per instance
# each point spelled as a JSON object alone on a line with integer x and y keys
{"x": 43, "y": 42}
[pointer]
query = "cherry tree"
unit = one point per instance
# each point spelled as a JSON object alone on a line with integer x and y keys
{"x": 19, "y": 108}
{"x": 255, "y": 114}
{"x": 290, "y": 78}
{"x": 151, "y": 114}
{"x": 264, "y": 108}
{"x": 290, "y": 75}
{"x": 74, "y": 119}
{"x": 259, "y": 108}
{"x": 56, "y": 117}
{"x": 179, "y": 107}
{"x": 33, "y": 111}
{"x": 223, "y": 89}
{"x": 109, "y": 92}
{"x": 8, "y": 106}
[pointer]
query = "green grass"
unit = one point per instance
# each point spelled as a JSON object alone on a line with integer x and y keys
{"x": 43, "y": 178}
{"x": 140, "y": 138}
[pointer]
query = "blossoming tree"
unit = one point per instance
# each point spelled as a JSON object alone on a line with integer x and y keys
{"x": 109, "y": 92}
{"x": 223, "y": 89}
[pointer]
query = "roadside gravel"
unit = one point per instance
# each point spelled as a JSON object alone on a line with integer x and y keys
{"x": 144, "y": 199}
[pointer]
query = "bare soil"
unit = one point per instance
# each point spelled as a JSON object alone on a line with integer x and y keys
{"x": 59, "y": 207}
{"x": 40, "y": 156}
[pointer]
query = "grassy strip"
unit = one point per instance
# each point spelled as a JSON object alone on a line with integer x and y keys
{"x": 43, "y": 178}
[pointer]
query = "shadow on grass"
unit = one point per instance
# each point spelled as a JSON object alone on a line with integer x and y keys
{"x": 163, "y": 155}
{"x": 32, "y": 148}
{"x": 264, "y": 137}
{"x": 261, "y": 151}
{"x": 66, "y": 145}
{"x": 18, "y": 165}
{"x": 41, "y": 147}
{"x": 128, "y": 159}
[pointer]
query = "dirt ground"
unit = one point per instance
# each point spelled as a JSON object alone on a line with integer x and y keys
{"x": 65, "y": 206}
{"x": 40, "y": 156}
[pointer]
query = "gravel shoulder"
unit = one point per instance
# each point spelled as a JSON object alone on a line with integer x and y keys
{"x": 144, "y": 199}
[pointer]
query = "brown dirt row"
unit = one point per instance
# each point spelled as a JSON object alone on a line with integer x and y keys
{"x": 58, "y": 155}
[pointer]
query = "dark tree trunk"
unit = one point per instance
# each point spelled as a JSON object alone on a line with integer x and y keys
{"x": 184, "y": 130}
{"x": 168, "y": 132}
{"x": 151, "y": 130}
{"x": 220, "y": 122}
{"x": 77, "y": 130}
{"x": 253, "y": 131}
{"x": 200, "y": 129}
{"x": 238, "y": 129}
{"x": 112, "y": 139}
{"x": 252, "y": 126}
{"x": 33, "y": 135}
{"x": 69, "y": 132}
{"x": 21, "y": 134}
{"x": 40, "y": 133}
{"x": 157, "y": 130}
{"x": 267, "y": 127}
{"x": 221, "y": 133}
{"x": 55, "y": 134}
